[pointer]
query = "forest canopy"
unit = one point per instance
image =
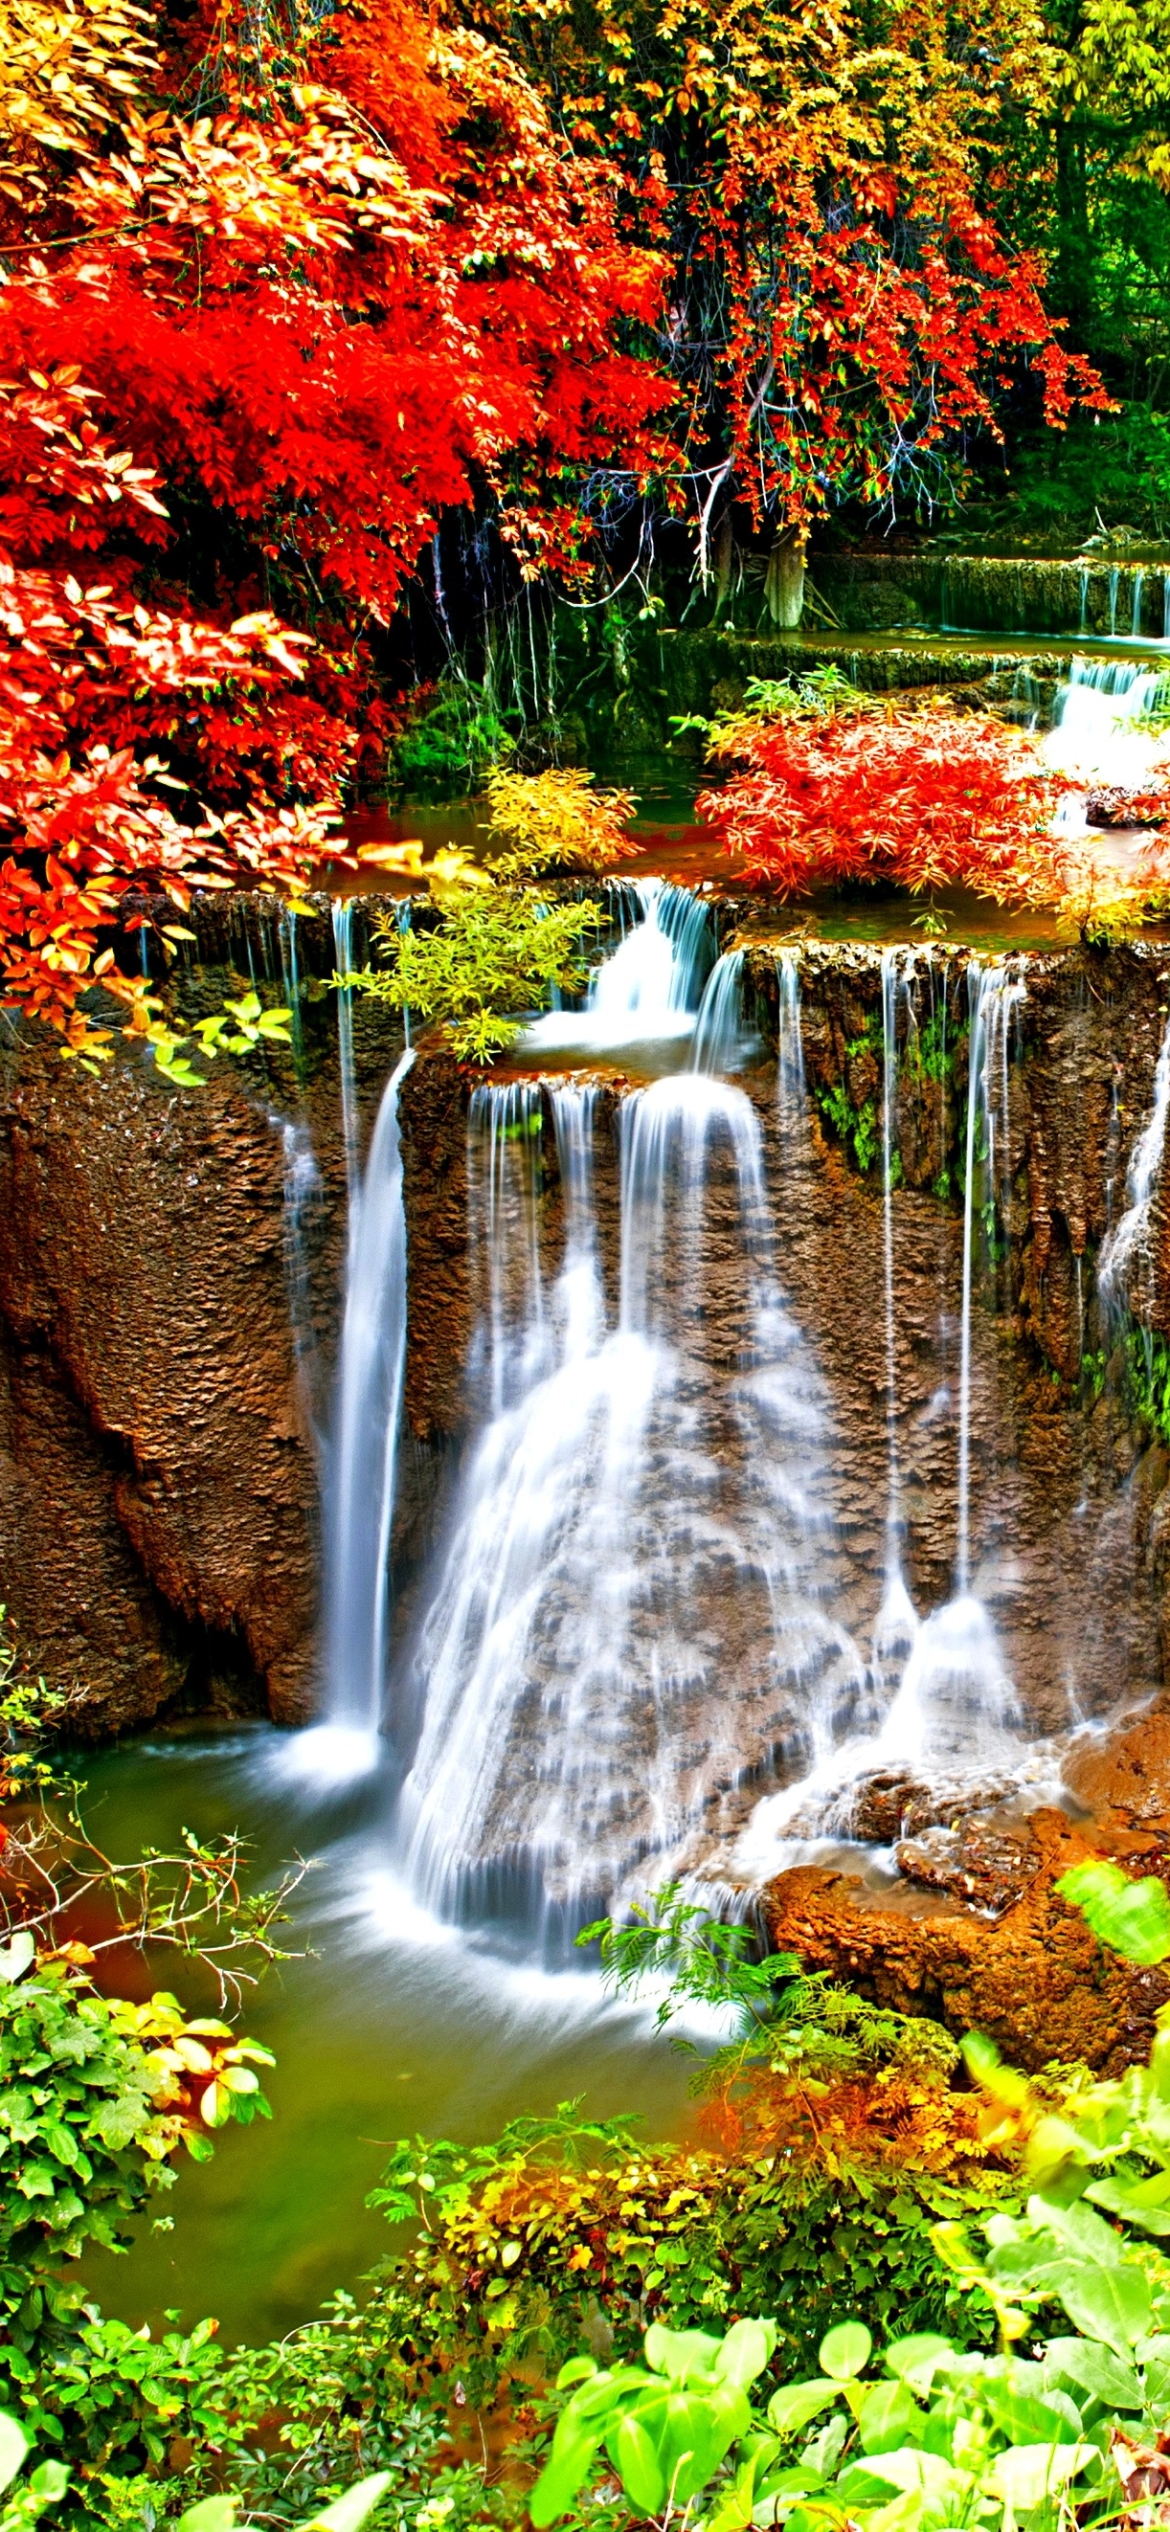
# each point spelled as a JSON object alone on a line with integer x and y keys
{"x": 327, "y": 336}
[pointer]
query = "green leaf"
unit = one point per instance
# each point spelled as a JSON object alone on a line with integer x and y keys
{"x": 745, "y": 2352}
{"x": 681, "y": 2354}
{"x": 846, "y": 2350}
{"x": 1028, "y": 2473}
{"x": 212, "y": 2514}
{"x": 1095, "y": 2370}
{"x": 1112, "y": 2304}
{"x": 889, "y": 2417}
{"x": 638, "y": 2466}
{"x": 13, "y": 2447}
{"x": 796, "y": 2403}
{"x": 918, "y": 2359}
{"x": 573, "y": 2454}
{"x": 348, "y": 2513}
{"x": 1132, "y": 1917}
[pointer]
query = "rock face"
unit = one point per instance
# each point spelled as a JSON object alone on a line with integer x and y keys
{"x": 170, "y": 1280}
{"x": 990, "y": 1946}
{"x": 168, "y": 1306}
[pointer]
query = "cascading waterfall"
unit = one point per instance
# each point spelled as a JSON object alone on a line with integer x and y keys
{"x": 342, "y": 912}
{"x": 360, "y": 1495}
{"x": 1097, "y": 733}
{"x": 629, "y": 1597}
{"x": 953, "y": 1710}
{"x": 303, "y": 1191}
{"x": 897, "y": 1623}
{"x": 649, "y": 988}
{"x": 1125, "y": 1265}
{"x": 722, "y": 1043}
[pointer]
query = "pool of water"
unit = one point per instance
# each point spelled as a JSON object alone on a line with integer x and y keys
{"x": 390, "y": 2024}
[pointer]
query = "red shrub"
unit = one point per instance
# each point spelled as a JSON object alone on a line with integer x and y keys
{"x": 920, "y": 800}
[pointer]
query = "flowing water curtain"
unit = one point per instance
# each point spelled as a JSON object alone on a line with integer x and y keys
{"x": 628, "y": 1621}
{"x": 1126, "y": 1267}
{"x": 363, "y": 1459}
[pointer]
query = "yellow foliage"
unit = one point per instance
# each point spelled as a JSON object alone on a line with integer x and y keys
{"x": 559, "y": 820}
{"x": 66, "y": 69}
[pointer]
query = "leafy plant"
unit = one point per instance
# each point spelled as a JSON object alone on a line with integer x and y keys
{"x": 557, "y": 820}
{"x": 924, "y": 801}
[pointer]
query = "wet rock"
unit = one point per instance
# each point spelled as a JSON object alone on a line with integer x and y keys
{"x": 1117, "y": 807}
{"x": 1034, "y": 1978}
{"x": 986, "y": 1864}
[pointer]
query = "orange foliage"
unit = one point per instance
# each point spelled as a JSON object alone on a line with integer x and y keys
{"x": 918, "y": 800}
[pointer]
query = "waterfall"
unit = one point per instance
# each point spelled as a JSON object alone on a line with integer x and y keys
{"x": 1084, "y": 594}
{"x": 303, "y": 1190}
{"x": 992, "y": 995}
{"x": 1138, "y": 584}
{"x": 290, "y": 975}
{"x": 1114, "y": 586}
{"x": 1096, "y": 734}
{"x": 1125, "y": 1261}
{"x": 342, "y": 910}
{"x": 360, "y": 1492}
{"x": 627, "y": 1611}
{"x": 648, "y": 988}
{"x": 896, "y": 1623}
{"x": 790, "y": 1084}
{"x": 721, "y": 1043}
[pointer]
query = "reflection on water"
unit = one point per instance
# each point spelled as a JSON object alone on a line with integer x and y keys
{"x": 396, "y": 2024}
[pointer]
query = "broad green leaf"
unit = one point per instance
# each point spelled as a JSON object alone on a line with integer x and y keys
{"x": 348, "y": 2513}
{"x": 1132, "y": 1917}
{"x": 1122, "y": 2198}
{"x": 569, "y": 2463}
{"x": 580, "y": 2369}
{"x": 682, "y": 2354}
{"x": 889, "y": 2417}
{"x": 745, "y": 2352}
{"x": 1095, "y": 2370}
{"x": 13, "y": 2447}
{"x": 1027, "y": 2473}
{"x": 638, "y": 2466}
{"x": 917, "y": 2360}
{"x": 927, "y": 2475}
{"x": 796, "y": 2404}
{"x": 212, "y": 2514}
{"x": 846, "y": 2350}
{"x": 1112, "y": 2304}
{"x": 49, "y": 2481}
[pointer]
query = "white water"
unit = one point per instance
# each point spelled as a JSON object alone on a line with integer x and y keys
{"x": 1096, "y": 735}
{"x": 632, "y": 1568}
{"x": 647, "y": 990}
{"x": 722, "y": 1042}
{"x": 946, "y": 1706}
{"x": 342, "y": 912}
{"x": 360, "y": 1494}
{"x": 1125, "y": 1265}
{"x": 896, "y": 1624}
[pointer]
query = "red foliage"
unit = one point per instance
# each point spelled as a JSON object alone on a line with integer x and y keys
{"x": 317, "y": 322}
{"x": 83, "y": 816}
{"x": 919, "y": 800}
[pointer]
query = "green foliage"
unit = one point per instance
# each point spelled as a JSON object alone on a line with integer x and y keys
{"x": 856, "y": 1123}
{"x": 811, "y": 694}
{"x": 449, "y": 742}
{"x": 95, "y": 2096}
{"x": 1147, "y": 1375}
{"x": 494, "y": 954}
{"x": 665, "y": 2426}
{"x": 782, "y": 2016}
